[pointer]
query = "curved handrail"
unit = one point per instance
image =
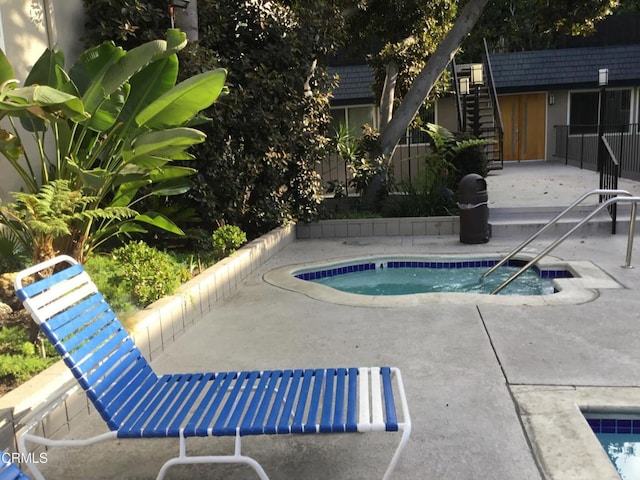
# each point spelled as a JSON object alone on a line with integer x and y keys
{"x": 549, "y": 224}
{"x": 632, "y": 221}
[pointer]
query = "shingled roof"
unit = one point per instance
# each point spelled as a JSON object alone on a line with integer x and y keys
{"x": 565, "y": 68}
{"x": 354, "y": 84}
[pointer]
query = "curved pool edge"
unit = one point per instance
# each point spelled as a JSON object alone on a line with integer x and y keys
{"x": 584, "y": 287}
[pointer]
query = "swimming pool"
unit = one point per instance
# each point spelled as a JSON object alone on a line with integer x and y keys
{"x": 619, "y": 435}
{"x": 406, "y": 277}
{"x": 573, "y": 282}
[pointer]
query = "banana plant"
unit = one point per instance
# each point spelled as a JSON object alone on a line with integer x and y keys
{"x": 114, "y": 126}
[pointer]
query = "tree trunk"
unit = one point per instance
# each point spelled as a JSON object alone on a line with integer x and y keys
{"x": 388, "y": 94}
{"x": 426, "y": 79}
{"x": 187, "y": 20}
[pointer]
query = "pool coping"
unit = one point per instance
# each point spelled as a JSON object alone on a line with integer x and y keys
{"x": 563, "y": 442}
{"x": 587, "y": 279}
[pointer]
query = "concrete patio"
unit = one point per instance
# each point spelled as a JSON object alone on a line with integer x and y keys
{"x": 494, "y": 390}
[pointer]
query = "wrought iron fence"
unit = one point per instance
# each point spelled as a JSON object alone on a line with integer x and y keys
{"x": 578, "y": 145}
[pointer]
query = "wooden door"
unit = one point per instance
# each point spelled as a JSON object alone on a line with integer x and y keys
{"x": 524, "y": 120}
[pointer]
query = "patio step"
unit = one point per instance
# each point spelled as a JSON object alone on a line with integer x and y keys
{"x": 525, "y": 221}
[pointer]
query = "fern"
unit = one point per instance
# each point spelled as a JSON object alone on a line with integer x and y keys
{"x": 54, "y": 212}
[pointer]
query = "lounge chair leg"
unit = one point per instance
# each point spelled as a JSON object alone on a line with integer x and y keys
{"x": 237, "y": 457}
{"x": 406, "y": 431}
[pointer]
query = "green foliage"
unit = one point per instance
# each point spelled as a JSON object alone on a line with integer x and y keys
{"x": 20, "y": 368}
{"x": 18, "y": 358}
{"x": 115, "y": 125}
{"x": 463, "y": 153}
{"x": 128, "y": 22}
{"x": 109, "y": 277}
{"x": 149, "y": 273}
{"x": 272, "y": 130}
{"x": 510, "y": 26}
{"x": 227, "y": 239}
{"x": 41, "y": 220}
{"x": 12, "y": 256}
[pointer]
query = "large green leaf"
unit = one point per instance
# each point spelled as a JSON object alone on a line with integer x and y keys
{"x": 109, "y": 110}
{"x": 155, "y": 143}
{"x": 168, "y": 173}
{"x": 175, "y": 186}
{"x": 44, "y": 72}
{"x": 183, "y": 101}
{"x": 6, "y": 70}
{"x": 159, "y": 221}
{"x": 89, "y": 70}
{"x": 138, "y": 58}
{"x": 50, "y": 99}
{"x": 148, "y": 84}
{"x": 128, "y": 191}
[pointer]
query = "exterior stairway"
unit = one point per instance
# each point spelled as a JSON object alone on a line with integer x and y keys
{"x": 479, "y": 115}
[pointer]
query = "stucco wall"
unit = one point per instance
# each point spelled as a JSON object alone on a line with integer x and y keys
{"x": 28, "y": 28}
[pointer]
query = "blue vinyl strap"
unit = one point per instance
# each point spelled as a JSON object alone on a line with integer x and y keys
{"x": 297, "y": 426}
{"x": 352, "y": 401}
{"x": 203, "y": 428}
{"x": 41, "y": 285}
{"x": 311, "y": 425}
{"x": 285, "y": 416}
{"x": 236, "y": 416}
{"x": 258, "y": 426}
{"x": 389, "y": 404}
{"x": 327, "y": 411}
{"x": 225, "y": 413}
{"x": 175, "y": 417}
{"x": 252, "y": 409}
{"x": 338, "y": 412}
{"x": 271, "y": 425}
{"x": 191, "y": 427}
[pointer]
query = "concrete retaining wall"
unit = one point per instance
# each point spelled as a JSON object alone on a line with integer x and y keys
{"x": 379, "y": 227}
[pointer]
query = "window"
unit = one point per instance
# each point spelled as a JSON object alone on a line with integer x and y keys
{"x": 583, "y": 111}
{"x": 353, "y": 117}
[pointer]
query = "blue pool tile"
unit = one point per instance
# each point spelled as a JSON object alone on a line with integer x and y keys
{"x": 635, "y": 426}
{"x": 608, "y": 425}
{"x": 594, "y": 423}
{"x": 623, "y": 426}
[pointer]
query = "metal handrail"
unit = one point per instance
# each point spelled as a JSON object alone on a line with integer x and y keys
{"x": 632, "y": 225}
{"x": 549, "y": 224}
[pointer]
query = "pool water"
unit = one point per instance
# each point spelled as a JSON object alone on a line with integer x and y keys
{"x": 406, "y": 278}
{"x": 620, "y": 438}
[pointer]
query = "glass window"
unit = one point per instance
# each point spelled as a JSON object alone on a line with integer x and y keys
{"x": 617, "y": 110}
{"x": 357, "y": 117}
{"x": 338, "y": 117}
{"x": 583, "y": 112}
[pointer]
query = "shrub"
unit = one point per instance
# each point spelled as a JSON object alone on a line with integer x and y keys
{"x": 227, "y": 239}
{"x": 109, "y": 277}
{"x": 149, "y": 273}
{"x": 18, "y": 358}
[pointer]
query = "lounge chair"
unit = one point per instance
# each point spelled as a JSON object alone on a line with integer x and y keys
{"x": 136, "y": 403}
{"x": 9, "y": 470}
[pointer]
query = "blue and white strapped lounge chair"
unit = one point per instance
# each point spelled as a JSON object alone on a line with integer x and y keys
{"x": 137, "y": 403}
{"x": 9, "y": 470}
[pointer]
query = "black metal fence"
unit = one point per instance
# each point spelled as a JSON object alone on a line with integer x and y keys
{"x": 578, "y": 145}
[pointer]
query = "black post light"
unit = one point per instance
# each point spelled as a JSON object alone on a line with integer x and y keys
{"x": 476, "y": 80}
{"x": 173, "y": 4}
{"x": 603, "y": 81}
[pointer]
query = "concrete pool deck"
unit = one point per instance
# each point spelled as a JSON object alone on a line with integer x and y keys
{"x": 493, "y": 390}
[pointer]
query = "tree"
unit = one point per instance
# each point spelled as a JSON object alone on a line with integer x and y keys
{"x": 511, "y": 26}
{"x": 113, "y": 128}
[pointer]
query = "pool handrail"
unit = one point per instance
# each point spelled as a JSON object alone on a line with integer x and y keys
{"x": 549, "y": 224}
{"x": 632, "y": 223}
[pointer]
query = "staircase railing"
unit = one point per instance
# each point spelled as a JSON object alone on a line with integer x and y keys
{"x": 609, "y": 173}
{"x": 497, "y": 115}
{"x": 632, "y": 221}
{"x": 456, "y": 86}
